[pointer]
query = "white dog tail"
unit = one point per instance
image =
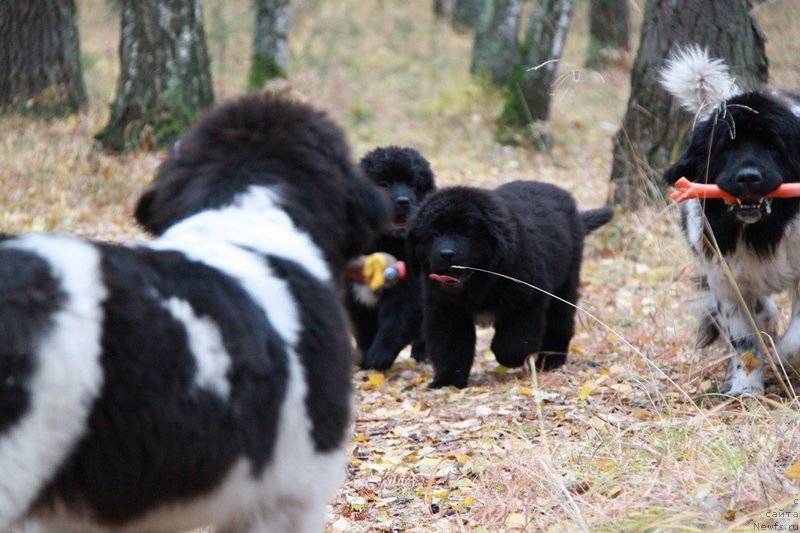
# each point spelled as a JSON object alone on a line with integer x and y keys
{"x": 696, "y": 80}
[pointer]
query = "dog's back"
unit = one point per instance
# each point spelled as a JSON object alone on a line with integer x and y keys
{"x": 202, "y": 378}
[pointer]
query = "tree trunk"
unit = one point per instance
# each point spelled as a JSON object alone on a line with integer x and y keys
{"x": 40, "y": 57}
{"x": 654, "y": 124}
{"x": 609, "y": 30}
{"x": 438, "y": 8}
{"x": 495, "y": 50}
{"x": 164, "y": 77}
{"x": 467, "y": 13}
{"x": 527, "y": 106}
{"x": 270, "y": 42}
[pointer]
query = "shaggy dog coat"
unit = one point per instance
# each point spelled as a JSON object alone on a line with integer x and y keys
{"x": 526, "y": 230}
{"x": 388, "y": 320}
{"x": 202, "y": 378}
{"x": 747, "y": 143}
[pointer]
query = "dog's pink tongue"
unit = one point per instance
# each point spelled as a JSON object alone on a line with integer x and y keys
{"x": 442, "y": 278}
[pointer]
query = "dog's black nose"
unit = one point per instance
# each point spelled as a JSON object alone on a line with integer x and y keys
{"x": 749, "y": 178}
{"x": 447, "y": 254}
{"x": 402, "y": 202}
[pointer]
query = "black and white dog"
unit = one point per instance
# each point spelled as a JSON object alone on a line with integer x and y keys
{"x": 202, "y": 378}
{"x": 386, "y": 321}
{"x": 748, "y": 144}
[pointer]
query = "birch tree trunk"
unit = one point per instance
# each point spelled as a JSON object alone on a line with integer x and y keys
{"x": 164, "y": 79}
{"x": 40, "y": 58}
{"x": 270, "y": 42}
{"x": 655, "y": 125}
{"x": 527, "y": 106}
{"x": 495, "y": 50}
{"x": 467, "y": 14}
{"x": 609, "y": 30}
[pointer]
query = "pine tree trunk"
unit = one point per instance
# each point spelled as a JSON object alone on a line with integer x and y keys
{"x": 164, "y": 76}
{"x": 40, "y": 58}
{"x": 467, "y": 13}
{"x": 495, "y": 49}
{"x": 438, "y": 8}
{"x": 527, "y": 106}
{"x": 270, "y": 42}
{"x": 609, "y": 30}
{"x": 654, "y": 124}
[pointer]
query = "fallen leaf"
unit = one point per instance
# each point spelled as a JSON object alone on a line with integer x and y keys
{"x": 375, "y": 380}
{"x": 751, "y": 362}
{"x": 586, "y": 390}
{"x": 516, "y": 520}
{"x": 794, "y": 471}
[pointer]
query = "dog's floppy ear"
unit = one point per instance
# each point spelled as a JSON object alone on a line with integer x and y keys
{"x": 143, "y": 211}
{"x": 682, "y": 169}
{"x": 368, "y": 213}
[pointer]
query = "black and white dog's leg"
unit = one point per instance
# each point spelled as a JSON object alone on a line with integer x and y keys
{"x": 745, "y": 372}
{"x": 789, "y": 344}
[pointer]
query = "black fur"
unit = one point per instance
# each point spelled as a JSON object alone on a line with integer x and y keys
{"x": 749, "y": 146}
{"x": 527, "y": 230}
{"x": 30, "y": 295}
{"x": 261, "y": 140}
{"x": 157, "y": 439}
{"x": 395, "y": 318}
{"x": 752, "y": 132}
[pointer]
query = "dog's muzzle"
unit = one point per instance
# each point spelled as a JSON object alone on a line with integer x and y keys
{"x": 751, "y": 211}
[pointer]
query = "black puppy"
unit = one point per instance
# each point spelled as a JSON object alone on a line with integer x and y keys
{"x": 388, "y": 320}
{"x": 527, "y": 230}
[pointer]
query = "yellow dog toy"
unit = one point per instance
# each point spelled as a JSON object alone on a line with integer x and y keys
{"x": 377, "y": 270}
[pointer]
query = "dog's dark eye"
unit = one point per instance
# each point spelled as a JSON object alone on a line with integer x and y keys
{"x": 384, "y": 184}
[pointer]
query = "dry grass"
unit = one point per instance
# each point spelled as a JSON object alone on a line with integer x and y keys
{"x": 623, "y": 437}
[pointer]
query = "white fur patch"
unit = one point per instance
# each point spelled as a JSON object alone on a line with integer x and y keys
{"x": 363, "y": 295}
{"x": 290, "y": 495}
{"x": 254, "y": 220}
{"x": 699, "y": 82}
{"x": 695, "y": 222}
{"x": 755, "y": 279}
{"x": 205, "y": 342}
{"x": 741, "y": 380}
{"x": 67, "y": 378}
{"x": 292, "y": 492}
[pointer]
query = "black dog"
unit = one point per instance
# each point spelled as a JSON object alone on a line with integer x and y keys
{"x": 387, "y": 321}
{"x": 527, "y": 230}
{"x": 201, "y": 379}
{"x": 748, "y": 143}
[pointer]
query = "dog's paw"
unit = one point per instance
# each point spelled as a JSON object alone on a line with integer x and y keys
{"x": 745, "y": 375}
{"x": 550, "y": 361}
{"x": 378, "y": 359}
{"x": 418, "y": 352}
{"x": 438, "y": 383}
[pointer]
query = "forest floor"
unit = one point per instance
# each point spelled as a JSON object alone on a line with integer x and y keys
{"x": 628, "y": 436}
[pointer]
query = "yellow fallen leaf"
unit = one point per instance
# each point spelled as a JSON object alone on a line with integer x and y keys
{"x": 586, "y": 390}
{"x": 375, "y": 380}
{"x": 794, "y": 471}
{"x": 750, "y": 361}
{"x": 526, "y": 391}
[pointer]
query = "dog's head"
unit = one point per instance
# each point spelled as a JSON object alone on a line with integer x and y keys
{"x": 406, "y": 177}
{"x": 458, "y": 226}
{"x": 747, "y": 143}
{"x": 294, "y": 150}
